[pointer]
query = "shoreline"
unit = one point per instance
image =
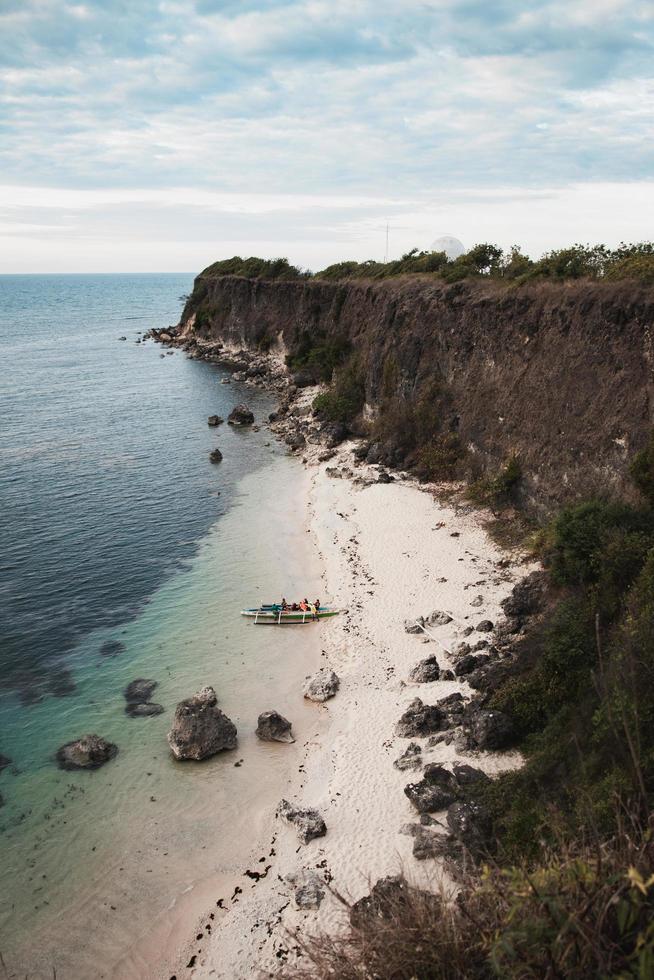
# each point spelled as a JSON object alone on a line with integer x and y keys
{"x": 389, "y": 552}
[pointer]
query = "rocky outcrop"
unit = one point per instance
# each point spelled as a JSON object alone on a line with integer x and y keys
{"x": 308, "y": 822}
{"x": 322, "y": 685}
{"x": 497, "y": 360}
{"x": 200, "y": 729}
{"x": 240, "y": 415}
{"x": 436, "y": 790}
{"x": 140, "y": 690}
{"x": 87, "y": 752}
{"x": 214, "y": 420}
{"x": 273, "y": 727}
{"x": 215, "y": 456}
{"x": 419, "y": 719}
{"x": 425, "y": 672}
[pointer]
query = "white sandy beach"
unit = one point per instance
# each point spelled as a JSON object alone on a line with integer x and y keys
{"x": 390, "y": 552}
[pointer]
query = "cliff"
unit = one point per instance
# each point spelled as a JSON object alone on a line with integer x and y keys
{"x": 559, "y": 375}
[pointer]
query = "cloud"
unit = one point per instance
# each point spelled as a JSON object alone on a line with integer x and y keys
{"x": 323, "y": 98}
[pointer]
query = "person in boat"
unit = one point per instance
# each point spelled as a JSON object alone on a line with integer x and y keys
{"x": 295, "y": 607}
{"x": 304, "y": 606}
{"x": 313, "y": 611}
{"x": 283, "y": 605}
{"x": 317, "y": 605}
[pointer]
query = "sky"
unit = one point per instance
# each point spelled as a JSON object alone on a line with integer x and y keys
{"x": 161, "y": 135}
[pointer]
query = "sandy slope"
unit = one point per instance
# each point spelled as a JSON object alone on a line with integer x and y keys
{"x": 389, "y": 554}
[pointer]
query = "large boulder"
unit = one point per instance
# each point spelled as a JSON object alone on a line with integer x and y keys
{"x": 308, "y": 822}
{"x": 491, "y": 730}
{"x": 466, "y": 775}
{"x": 200, "y": 729}
{"x": 468, "y": 663}
{"x": 322, "y": 685}
{"x": 387, "y": 898}
{"x": 215, "y": 456}
{"x": 527, "y": 597}
{"x": 140, "y": 690}
{"x": 240, "y": 415}
{"x": 426, "y": 671}
{"x": 471, "y": 824}
{"x": 295, "y": 440}
{"x": 435, "y": 791}
{"x": 214, "y": 420}
{"x": 273, "y": 727}
{"x": 419, "y": 719}
{"x": 87, "y": 752}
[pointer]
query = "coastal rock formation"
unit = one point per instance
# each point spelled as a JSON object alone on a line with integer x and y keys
{"x": 295, "y": 440}
{"x": 425, "y": 672}
{"x": 112, "y": 648}
{"x": 240, "y": 415}
{"x": 471, "y": 824}
{"x": 146, "y": 709}
{"x": 387, "y": 897}
{"x": 308, "y": 822}
{"x": 322, "y": 685}
{"x": 214, "y": 420}
{"x": 491, "y": 353}
{"x": 468, "y": 663}
{"x": 87, "y": 752}
{"x": 273, "y": 727}
{"x": 200, "y": 729}
{"x": 215, "y": 456}
{"x": 140, "y": 690}
{"x": 466, "y": 775}
{"x": 411, "y": 758}
{"x": 436, "y": 790}
{"x": 419, "y": 719}
{"x": 61, "y": 683}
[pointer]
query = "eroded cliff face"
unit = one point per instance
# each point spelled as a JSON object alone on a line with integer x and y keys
{"x": 560, "y": 375}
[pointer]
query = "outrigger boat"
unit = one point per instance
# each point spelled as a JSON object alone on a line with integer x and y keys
{"x": 273, "y": 615}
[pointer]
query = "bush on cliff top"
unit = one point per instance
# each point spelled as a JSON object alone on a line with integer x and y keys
{"x": 254, "y": 268}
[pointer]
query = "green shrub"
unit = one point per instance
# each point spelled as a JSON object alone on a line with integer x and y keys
{"x": 318, "y": 354}
{"x": 498, "y": 490}
{"x": 438, "y": 458}
{"x": 346, "y": 397}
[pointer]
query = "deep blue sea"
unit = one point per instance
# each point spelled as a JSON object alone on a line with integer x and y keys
{"x": 118, "y": 536}
{"x": 104, "y": 479}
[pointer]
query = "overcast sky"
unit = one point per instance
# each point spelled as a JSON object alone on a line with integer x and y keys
{"x": 140, "y": 135}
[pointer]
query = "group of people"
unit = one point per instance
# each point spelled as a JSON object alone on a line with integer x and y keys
{"x": 303, "y": 606}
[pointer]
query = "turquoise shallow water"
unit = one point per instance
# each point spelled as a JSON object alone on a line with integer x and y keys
{"x": 159, "y": 550}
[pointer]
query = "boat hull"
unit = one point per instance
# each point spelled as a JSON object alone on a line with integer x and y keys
{"x": 267, "y": 616}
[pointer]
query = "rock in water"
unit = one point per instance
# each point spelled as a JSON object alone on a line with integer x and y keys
{"x": 215, "y": 456}
{"x": 273, "y": 727}
{"x": 200, "y": 728}
{"x": 322, "y": 685}
{"x": 215, "y": 420}
{"x": 240, "y": 415}
{"x": 419, "y": 719}
{"x": 308, "y": 823}
{"x": 145, "y": 709}
{"x": 87, "y": 752}
{"x": 139, "y": 691}
{"x": 112, "y": 648}
{"x": 425, "y": 672}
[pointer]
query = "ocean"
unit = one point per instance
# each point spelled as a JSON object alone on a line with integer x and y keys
{"x": 125, "y": 553}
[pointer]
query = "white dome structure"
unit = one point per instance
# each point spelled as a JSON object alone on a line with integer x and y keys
{"x": 452, "y": 247}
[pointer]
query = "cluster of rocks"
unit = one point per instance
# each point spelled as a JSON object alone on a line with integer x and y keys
{"x": 471, "y": 725}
